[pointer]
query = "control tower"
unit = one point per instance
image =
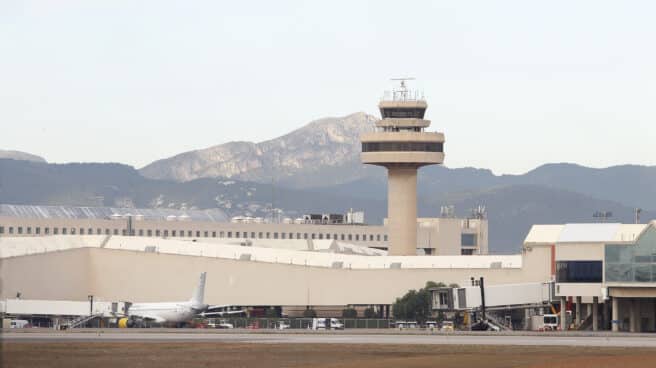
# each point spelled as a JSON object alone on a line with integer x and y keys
{"x": 401, "y": 144}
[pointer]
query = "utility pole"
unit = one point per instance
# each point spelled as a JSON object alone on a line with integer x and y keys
{"x": 481, "y": 283}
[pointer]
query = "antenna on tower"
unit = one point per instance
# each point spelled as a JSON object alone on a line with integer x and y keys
{"x": 402, "y": 93}
{"x": 637, "y": 212}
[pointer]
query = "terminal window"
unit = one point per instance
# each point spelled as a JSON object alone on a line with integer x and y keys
{"x": 198, "y": 234}
{"x": 81, "y": 231}
{"x": 468, "y": 240}
{"x": 190, "y": 233}
{"x": 2, "y": 229}
{"x": 20, "y": 229}
{"x": 579, "y": 271}
{"x": 214, "y": 234}
{"x": 29, "y": 230}
{"x": 150, "y": 232}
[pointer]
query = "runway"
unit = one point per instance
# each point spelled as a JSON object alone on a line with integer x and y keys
{"x": 334, "y": 338}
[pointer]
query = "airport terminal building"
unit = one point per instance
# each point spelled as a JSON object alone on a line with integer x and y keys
{"x": 607, "y": 271}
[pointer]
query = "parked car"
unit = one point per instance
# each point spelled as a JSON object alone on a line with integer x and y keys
{"x": 447, "y": 326}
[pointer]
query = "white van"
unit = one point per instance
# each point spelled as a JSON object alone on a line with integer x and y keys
{"x": 19, "y": 323}
{"x": 327, "y": 324}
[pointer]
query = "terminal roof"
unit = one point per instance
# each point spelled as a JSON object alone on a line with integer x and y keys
{"x": 70, "y": 212}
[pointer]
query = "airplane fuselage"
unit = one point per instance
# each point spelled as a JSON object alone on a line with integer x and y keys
{"x": 163, "y": 312}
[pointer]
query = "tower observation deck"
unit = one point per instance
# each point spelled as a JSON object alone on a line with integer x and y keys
{"x": 401, "y": 144}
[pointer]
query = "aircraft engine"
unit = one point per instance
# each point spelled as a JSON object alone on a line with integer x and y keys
{"x": 125, "y": 323}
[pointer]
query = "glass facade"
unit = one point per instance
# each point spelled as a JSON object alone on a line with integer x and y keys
{"x": 632, "y": 263}
{"x": 579, "y": 271}
{"x": 403, "y": 113}
{"x": 403, "y": 146}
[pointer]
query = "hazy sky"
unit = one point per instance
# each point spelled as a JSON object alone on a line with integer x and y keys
{"x": 512, "y": 84}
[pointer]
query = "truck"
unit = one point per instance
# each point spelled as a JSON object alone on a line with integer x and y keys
{"x": 545, "y": 322}
{"x": 326, "y": 324}
{"x": 19, "y": 323}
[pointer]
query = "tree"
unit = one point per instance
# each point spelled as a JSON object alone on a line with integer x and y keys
{"x": 433, "y": 284}
{"x": 415, "y": 304}
{"x": 272, "y": 313}
{"x": 349, "y": 313}
{"x": 369, "y": 313}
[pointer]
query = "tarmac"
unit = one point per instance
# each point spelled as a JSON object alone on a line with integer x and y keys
{"x": 392, "y": 337}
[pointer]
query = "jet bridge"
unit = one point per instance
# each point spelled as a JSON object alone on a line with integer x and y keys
{"x": 497, "y": 297}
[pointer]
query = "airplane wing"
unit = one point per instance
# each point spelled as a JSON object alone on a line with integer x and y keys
{"x": 213, "y": 307}
{"x": 157, "y": 319}
{"x": 223, "y": 313}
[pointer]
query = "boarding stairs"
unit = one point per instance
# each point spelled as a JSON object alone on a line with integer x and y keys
{"x": 82, "y": 320}
{"x": 501, "y": 323}
{"x": 586, "y": 324}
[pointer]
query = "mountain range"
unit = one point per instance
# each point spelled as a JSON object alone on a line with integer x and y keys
{"x": 316, "y": 169}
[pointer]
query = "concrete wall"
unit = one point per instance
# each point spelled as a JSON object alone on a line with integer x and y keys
{"x": 137, "y": 276}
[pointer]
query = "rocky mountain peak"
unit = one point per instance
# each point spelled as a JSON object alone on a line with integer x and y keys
{"x": 324, "y": 142}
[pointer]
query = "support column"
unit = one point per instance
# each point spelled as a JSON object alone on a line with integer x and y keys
{"x": 595, "y": 312}
{"x": 605, "y": 316}
{"x": 577, "y": 323}
{"x": 588, "y": 310}
{"x": 402, "y": 210}
{"x": 633, "y": 316}
{"x": 616, "y": 315}
{"x": 563, "y": 313}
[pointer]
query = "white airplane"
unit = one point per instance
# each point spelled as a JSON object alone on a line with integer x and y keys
{"x": 173, "y": 312}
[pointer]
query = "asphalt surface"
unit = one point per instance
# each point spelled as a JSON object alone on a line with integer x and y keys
{"x": 623, "y": 340}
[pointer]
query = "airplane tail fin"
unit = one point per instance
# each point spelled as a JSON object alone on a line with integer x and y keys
{"x": 198, "y": 298}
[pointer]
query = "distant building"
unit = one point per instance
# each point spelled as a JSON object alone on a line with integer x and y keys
{"x": 435, "y": 236}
